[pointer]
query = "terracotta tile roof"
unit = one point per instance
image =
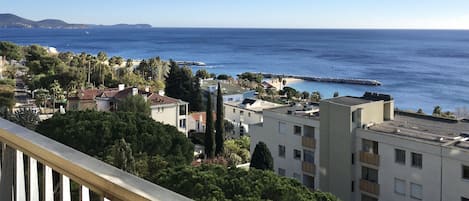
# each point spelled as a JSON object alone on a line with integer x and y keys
{"x": 196, "y": 116}
{"x": 89, "y": 94}
{"x": 157, "y": 99}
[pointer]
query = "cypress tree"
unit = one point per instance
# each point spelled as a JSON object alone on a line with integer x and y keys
{"x": 219, "y": 127}
{"x": 123, "y": 157}
{"x": 209, "y": 135}
{"x": 261, "y": 158}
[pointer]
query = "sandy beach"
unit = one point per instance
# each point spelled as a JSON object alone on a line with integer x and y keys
{"x": 277, "y": 84}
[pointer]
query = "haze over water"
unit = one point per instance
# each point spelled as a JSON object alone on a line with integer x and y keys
{"x": 419, "y": 68}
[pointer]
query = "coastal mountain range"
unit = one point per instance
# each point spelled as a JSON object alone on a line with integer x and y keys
{"x": 13, "y": 21}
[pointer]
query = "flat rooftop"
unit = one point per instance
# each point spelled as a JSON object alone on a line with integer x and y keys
{"x": 311, "y": 111}
{"x": 422, "y": 127}
{"x": 258, "y": 105}
{"x": 227, "y": 88}
{"x": 349, "y": 100}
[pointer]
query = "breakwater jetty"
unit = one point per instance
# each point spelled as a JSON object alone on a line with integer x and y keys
{"x": 326, "y": 79}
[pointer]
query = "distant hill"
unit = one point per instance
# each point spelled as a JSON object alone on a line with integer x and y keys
{"x": 12, "y": 21}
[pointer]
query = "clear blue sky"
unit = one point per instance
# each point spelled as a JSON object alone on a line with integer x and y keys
{"x": 413, "y": 14}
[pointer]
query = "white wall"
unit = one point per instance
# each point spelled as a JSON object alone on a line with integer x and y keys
{"x": 235, "y": 117}
{"x": 269, "y": 134}
{"x": 169, "y": 114}
{"x": 102, "y": 105}
{"x": 429, "y": 176}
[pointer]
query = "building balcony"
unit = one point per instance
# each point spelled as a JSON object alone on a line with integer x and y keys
{"x": 369, "y": 187}
{"x": 369, "y": 158}
{"x": 308, "y": 142}
{"x": 308, "y": 167}
{"x": 20, "y": 181}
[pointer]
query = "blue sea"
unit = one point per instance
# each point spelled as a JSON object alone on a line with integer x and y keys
{"x": 419, "y": 68}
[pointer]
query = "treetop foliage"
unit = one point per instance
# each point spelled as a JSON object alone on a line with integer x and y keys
{"x": 96, "y": 132}
{"x": 213, "y": 182}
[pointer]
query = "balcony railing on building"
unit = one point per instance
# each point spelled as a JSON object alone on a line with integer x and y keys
{"x": 369, "y": 187}
{"x": 24, "y": 152}
{"x": 308, "y": 167}
{"x": 369, "y": 158}
{"x": 308, "y": 142}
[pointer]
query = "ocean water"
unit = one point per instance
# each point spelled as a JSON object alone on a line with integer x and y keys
{"x": 419, "y": 68}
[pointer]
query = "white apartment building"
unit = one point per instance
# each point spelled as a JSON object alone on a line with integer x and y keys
{"x": 369, "y": 152}
{"x": 244, "y": 113}
{"x": 291, "y": 133}
{"x": 164, "y": 109}
{"x": 366, "y": 151}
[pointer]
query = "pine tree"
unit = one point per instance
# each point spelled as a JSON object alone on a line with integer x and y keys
{"x": 122, "y": 155}
{"x": 209, "y": 135}
{"x": 196, "y": 100}
{"x": 261, "y": 158}
{"x": 219, "y": 127}
{"x": 172, "y": 80}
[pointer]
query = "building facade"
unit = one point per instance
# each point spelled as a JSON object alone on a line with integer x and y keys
{"x": 244, "y": 113}
{"x": 366, "y": 151}
{"x": 291, "y": 133}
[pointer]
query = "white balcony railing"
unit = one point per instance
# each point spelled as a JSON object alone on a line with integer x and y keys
{"x": 19, "y": 144}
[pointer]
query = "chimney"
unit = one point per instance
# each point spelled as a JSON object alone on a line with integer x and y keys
{"x": 161, "y": 92}
{"x": 121, "y": 87}
{"x": 134, "y": 91}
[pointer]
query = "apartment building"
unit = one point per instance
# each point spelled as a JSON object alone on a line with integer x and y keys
{"x": 291, "y": 133}
{"x": 243, "y": 113}
{"x": 369, "y": 152}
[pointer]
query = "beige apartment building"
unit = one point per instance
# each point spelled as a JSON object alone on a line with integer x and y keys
{"x": 366, "y": 151}
{"x": 369, "y": 152}
{"x": 291, "y": 133}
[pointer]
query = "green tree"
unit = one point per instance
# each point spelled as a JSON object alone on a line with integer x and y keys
{"x": 202, "y": 74}
{"x": 56, "y": 92}
{"x": 136, "y": 104}
{"x": 289, "y": 92}
{"x": 209, "y": 141}
{"x": 10, "y": 51}
{"x": 305, "y": 95}
{"x": 261, "y": 157}
{"x": 252, "y": 77}
{"x": 195, "y": 103}
{"x": 223, "y": 77}
{"x": 316, "y": 96}
{"x": 437, "y": 110}
{"x": 219, "y": 127}
{"x": 420, "y": 111}
{"x": 122, "y": 156}
{"x": 336, "y": 94}
{"x": 94, "y": 133}
{"x": 26, "y": 118}
{"x": 213, "y": 182}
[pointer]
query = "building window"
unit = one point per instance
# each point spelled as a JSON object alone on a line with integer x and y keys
{"x": 308, "y": 156}
{"x": 370, "y": 174}
{"x": 281, "y": 172}
{"x": 416, "y": 191}
{"x": 234, "y": 110}
{"x": 399, "y": 156}
{"x": 182, "y": 110}
{"x": 353, "y": 117}
{"x": 464, "y": 199}
{"x": 399, "y": 186}
{"x": 465, "y": 172}
{"x": 353, "y": 158}
{"x": 241, "y": 112}
{"x": 297, "y": 130}
{"x": 182, "y": 123}
{"x": 369, "y": 146}
{"x": 368, "y": 198}
{"x": 281, "y": 151}
{"x": 297, "y": 154}
{"x": 282, "y": 128}
{"x": 308, "y": 181}
{"x": 249, "y": 114}
{"x": 297, "y": 176}
{"x": 352, "y": 186}
{"x": 416, "y": 160}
